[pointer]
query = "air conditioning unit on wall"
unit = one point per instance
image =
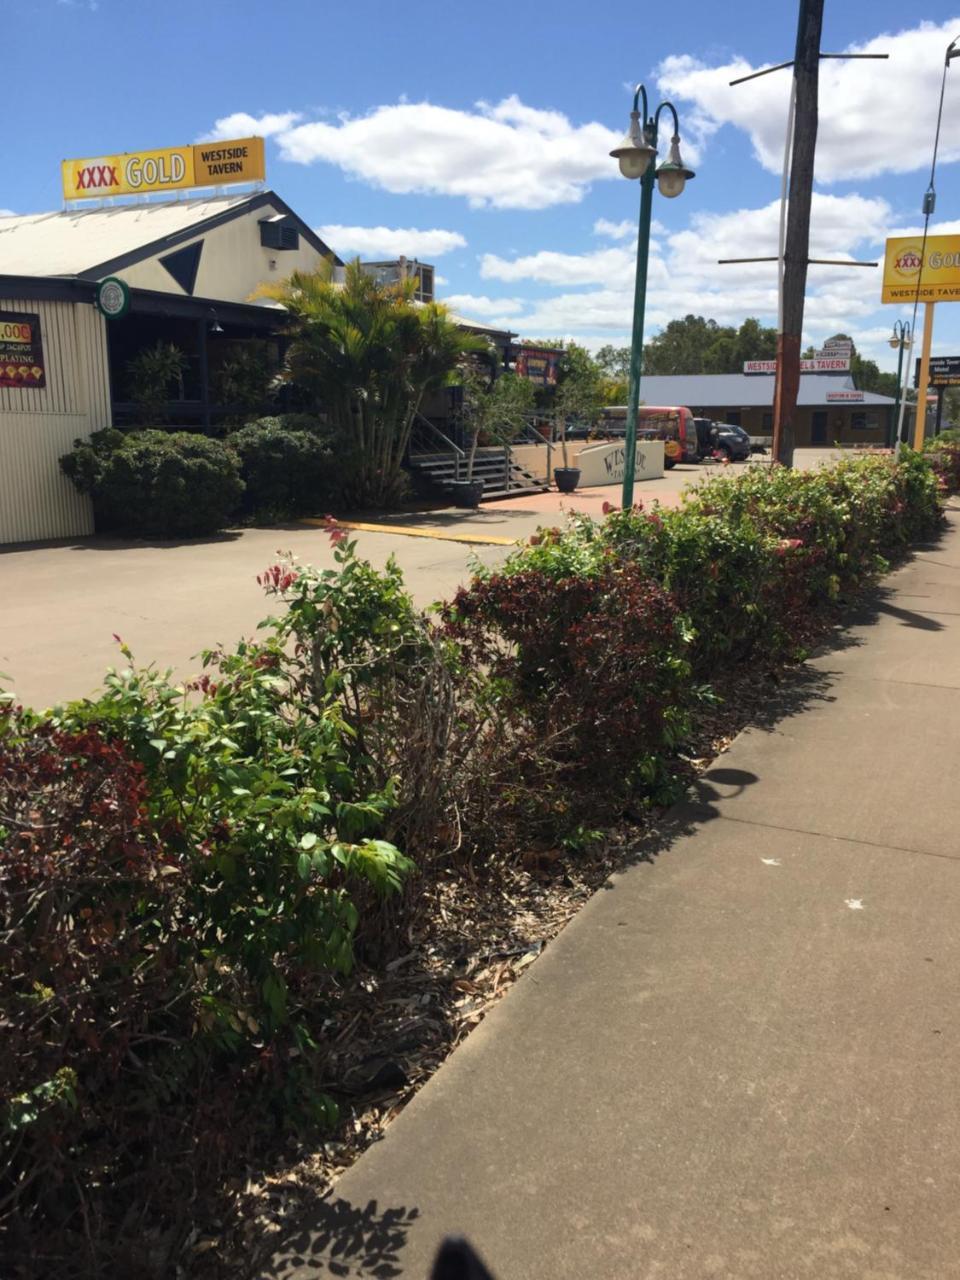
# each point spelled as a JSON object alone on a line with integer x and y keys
{"x": 279, "y": 233}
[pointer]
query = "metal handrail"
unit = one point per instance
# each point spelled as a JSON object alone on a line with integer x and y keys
{"x": 532, "y": 433}
{"x": 448, "y": 443}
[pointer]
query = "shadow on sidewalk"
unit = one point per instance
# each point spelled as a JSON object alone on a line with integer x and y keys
{"x": 335, "y": 1238}
{"x": 800, "y": 689}
{"x": 909, "y": 619}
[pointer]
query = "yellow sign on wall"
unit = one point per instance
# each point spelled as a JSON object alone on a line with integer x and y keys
{"x": 940, "y": 277}
{"x": 209, "y": 164}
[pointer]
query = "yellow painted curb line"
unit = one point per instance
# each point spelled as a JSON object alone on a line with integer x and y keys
{"x": 410, "y": 531}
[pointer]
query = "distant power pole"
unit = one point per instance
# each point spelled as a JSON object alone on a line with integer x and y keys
{"x": 806, "y": 76}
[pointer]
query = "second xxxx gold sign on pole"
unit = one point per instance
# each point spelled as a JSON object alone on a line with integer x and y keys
{"x": 208, "y": 164}
{"x": 940, "y": 263}
{"x": 927, "y": 272}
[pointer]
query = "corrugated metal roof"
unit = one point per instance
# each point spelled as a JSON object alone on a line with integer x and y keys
{"x": 744, "y": 390}
{"x": 76, "y": 240}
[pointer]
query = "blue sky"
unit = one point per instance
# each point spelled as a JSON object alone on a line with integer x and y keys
{"x": 476, "y": 138}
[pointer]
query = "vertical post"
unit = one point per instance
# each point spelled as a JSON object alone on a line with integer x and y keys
{"x": 806, "y": 74}
{"x": 902, "y": 430}
{"x": 936, "y": 425}
{"x": 204, "y": 374}
{"x": 896, "y": 405}
{"x": 639, "y": 303}
{"x": 920, "y": 421}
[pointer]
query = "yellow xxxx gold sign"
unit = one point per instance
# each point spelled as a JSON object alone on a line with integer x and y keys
{"x": 935, "y": 265}
{"x": 206, "y": 164}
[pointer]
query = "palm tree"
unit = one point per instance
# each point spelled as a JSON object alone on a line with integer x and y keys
{"x": 366, "y": 354}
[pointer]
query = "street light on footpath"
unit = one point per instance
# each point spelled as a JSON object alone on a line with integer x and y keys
{"x": 635, "y": 154}
{"x": 903, "y": 338}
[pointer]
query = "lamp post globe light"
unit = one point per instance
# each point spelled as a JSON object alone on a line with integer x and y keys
{"x": 902, "y": 339}
{"x": 635, "y": 155}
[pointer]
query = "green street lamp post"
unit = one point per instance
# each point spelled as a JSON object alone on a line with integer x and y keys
{"x": 903, "y": 338}
{"x": 635, "y": 154}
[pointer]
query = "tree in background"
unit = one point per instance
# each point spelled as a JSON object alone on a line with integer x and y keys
{"x": 492, "y": 409}
{"x": 614, "y": 362}
{"x": 689, "y": 346}
{"x": 614, "y": 365}
{"x": 364, "y": 353}
{"x": 580, "y": 383}
{"x": 696, "y": 345}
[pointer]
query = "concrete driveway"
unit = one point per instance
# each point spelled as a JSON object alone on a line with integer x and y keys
{"x": 64, "y": 602}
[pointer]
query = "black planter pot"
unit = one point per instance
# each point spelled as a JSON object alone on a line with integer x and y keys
{"x": 465, "y": 493}
{"x": 567, "y": 478}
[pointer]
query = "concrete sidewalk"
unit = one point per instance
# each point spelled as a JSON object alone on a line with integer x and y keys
{"x": 741, "y": 1058}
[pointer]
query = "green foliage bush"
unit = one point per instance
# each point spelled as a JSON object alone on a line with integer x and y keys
{"x": 287, "y": 469}
{"x": 589, "y": 670}
{"x": 188, "y": 874}
{"x": 182, "y": 872}
{"x": 166, "y": 484}
{"x": 943, "y": 454}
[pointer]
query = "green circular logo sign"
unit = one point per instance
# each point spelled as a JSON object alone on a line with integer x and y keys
{"x": 113, "y": 298}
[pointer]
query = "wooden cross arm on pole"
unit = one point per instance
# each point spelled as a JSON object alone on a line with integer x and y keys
{"x": 782, "y": 66}
{"x": 811, "y": 262}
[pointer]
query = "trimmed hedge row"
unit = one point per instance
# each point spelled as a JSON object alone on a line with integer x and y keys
{"x": 187, "y": 874}
{"x": 601, "y": 638}
{"x": 179, "y": 484}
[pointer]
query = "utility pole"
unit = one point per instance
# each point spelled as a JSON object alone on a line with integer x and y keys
{"x": 806, "y": 75}
{"x": 794, "y": 255}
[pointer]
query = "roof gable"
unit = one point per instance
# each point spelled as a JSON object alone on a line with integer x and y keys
{"x": 93, "y": 243}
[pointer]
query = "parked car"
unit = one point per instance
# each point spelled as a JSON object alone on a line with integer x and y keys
{"x": 733, "y": 441}
{"x": 721, "y": 437}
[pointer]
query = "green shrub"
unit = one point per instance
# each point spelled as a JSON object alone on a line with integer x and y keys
{"x": 154, "y": 378}
{"x": 160, "y": 483}
{"x": 943, "y": 454}
{"x": 187, "y": 875}
{"x": 588, "y": 683}
{"x": 286, "y": 469}
{"x": 183, "y": 875}
{"x": 728, "y": 581}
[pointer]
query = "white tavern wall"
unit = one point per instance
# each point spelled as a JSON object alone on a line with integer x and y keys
{"x": 232, "y": 263}
{"x": 39, "y": 424}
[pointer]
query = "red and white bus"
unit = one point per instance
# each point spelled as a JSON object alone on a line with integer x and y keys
{"x": 673, "y": 424}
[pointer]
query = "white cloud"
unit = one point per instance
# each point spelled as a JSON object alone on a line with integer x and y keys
{"x": 625, "y": 229}
{"x": 684, "y": 276}
{"x": 439, "y": 280}
{"x": 505, "y": 156}
{"x": 390, "y": 242}
{"x": 614, "y": 230}
{"x": 547, "y": 267}
{"x": 949, "y": 228}
{"x": 7, "y": 213}
{"x": 243, "y": 125}
{"x": 479, "y": 306}
{"x": 875, "y": 116}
